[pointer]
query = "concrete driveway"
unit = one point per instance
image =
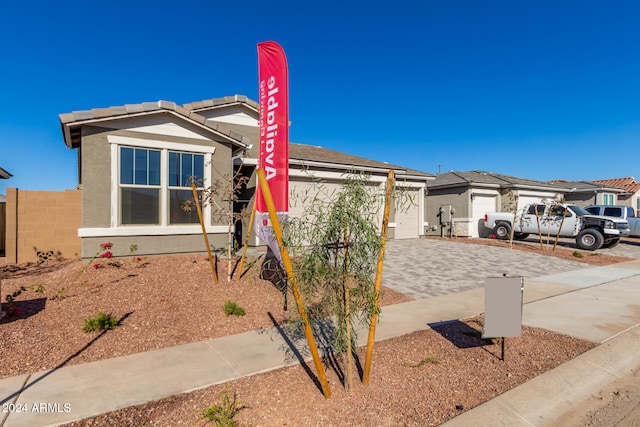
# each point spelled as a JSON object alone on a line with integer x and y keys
{"x": 424, "y": 268}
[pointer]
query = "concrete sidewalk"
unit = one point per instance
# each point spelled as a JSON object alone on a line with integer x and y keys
{"x": 600, "y": 304}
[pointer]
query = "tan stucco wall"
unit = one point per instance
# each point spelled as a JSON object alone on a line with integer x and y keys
{"x": 458, "y": 198}
{"x": 42, "y": 221}
{"x": 96, "y": 178}
{"x": 154, "y": 245}
{"x": 581, "y": 199}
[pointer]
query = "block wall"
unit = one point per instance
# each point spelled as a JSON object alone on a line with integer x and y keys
{"x": 41, "y": 224}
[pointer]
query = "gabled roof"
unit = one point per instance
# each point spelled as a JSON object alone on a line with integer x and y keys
{"x": 630, "y": 184}
{"x": 489, "y": 179}
{"x": 72, "y": 122}
{"x": 241, "y": 134}
{"x": 4, "y": 174}
{"x": 214, "y": 103}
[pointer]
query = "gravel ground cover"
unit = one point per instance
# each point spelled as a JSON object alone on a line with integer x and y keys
{"x": 419, "y": 379}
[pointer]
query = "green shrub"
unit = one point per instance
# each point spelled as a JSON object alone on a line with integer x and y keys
{"x": 231, "y": 307}
{"x": 100, "y": 322}
{"x": 223, "y": 414}
{"x": 577, "y": 254}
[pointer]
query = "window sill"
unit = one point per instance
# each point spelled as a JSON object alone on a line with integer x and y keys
{"x": 150, "y": 230}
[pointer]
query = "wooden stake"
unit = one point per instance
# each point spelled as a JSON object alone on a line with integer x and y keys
{"x": 538, "y": 222}
{"x": 513, "y": 226}
{"x": 204, "y": 232}
{"x": 246, "y": 240}
{"x": 266, "y": 193}
{"x": 564, "y": 215}
{"x": 374, "y": 317}
{"x": 347, "y": 306}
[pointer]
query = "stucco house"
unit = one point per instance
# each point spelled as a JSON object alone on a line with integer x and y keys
{"x": 135, "y": 161}
{"x": 585, "y": 193}
{"x": 631, "y": 195}
{"x": 457, "y": 201}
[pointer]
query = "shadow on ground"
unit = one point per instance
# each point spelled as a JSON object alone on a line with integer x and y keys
{"x": 460, "y": 334}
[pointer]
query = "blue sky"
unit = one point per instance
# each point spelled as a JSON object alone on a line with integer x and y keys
{"x": 537, "y": 89}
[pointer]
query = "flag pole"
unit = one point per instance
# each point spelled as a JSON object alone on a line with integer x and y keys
{"x": 266, "y": 193}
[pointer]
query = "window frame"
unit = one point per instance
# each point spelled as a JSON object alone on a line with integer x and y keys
{"x": 142, "y": 186}
{"x": 114, "y": 229}
{"x": 164, "y": 148}
{"x": 179, "y": 187}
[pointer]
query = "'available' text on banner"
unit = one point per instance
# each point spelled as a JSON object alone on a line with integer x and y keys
{"x": 273, "y": 90}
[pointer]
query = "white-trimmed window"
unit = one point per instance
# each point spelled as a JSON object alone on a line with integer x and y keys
{"x": 150, "y": 182}
{"x": 608, "y": 199}
{"x": 154, "y": 182}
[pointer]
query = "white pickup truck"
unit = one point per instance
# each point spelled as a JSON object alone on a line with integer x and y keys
{"x": 624, "y": 212}
{"x": 591, "y": 232}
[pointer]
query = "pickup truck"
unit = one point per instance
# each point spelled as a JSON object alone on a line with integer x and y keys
{"x": 591, "y": 232}
{"x": 624, "y": 212}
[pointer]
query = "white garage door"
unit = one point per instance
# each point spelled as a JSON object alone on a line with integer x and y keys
{"x": 525, "y": 200}
{"x": 408, "y": 219}
{"x": 481, "y": 205}
{"x": 302, "y": 193}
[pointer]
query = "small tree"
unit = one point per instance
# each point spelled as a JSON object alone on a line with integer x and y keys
{"x": 336, "y": 242}
{"x": 512, "y": 206}
{"x": 222, "y": 195}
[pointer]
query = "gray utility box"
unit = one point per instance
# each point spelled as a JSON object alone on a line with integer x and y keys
{"x": 503, "y": 297}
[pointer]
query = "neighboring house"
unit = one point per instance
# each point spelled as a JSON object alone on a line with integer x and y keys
{"x": 631, "y": 196}
{"x": 135, "y": 162}
{"x": 585, "y": 193}
{"x": 4, "y": 174}
{"x": 462, "y": 198}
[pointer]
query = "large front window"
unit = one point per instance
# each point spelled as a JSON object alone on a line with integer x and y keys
{"x": 154, "y": 184}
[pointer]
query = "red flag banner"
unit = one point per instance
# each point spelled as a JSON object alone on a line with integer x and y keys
{"x": 273, "y": 89}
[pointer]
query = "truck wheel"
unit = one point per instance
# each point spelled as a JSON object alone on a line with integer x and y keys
{"x": 589, "y": 239}
{"x": 610, "y": 243}
{"x": 502, "y": 231}
{"x": 520, "y": 236}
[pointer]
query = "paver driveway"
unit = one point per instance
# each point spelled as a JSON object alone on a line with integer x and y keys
{"x": 424, "y": 268}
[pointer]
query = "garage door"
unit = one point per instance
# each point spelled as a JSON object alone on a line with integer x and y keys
{"x": 408, "y": 219}
{"x": 525, "y": 200}
{"x": 303, "y": 193}
{"x": 481, "y": 204}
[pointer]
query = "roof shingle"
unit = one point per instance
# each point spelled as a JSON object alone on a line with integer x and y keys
{"x": 629, "y": 183}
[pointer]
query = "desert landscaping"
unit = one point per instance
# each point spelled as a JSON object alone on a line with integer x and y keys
{"x": 420, "y": 379}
